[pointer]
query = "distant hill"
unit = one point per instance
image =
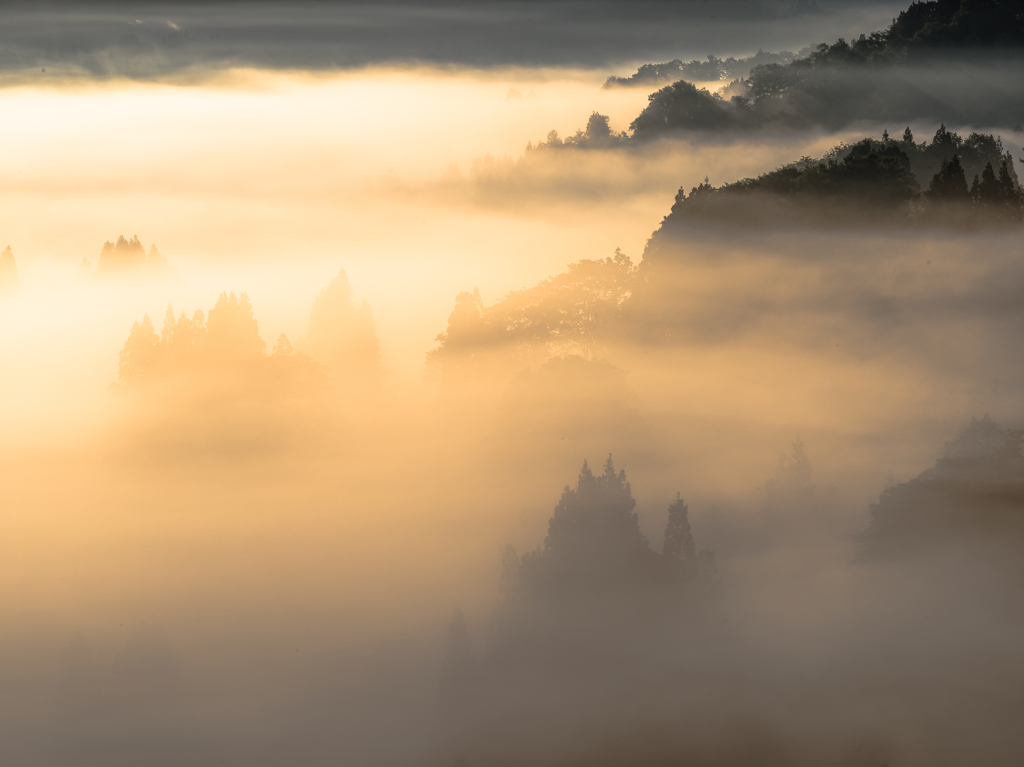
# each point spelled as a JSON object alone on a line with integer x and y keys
{"x": 950, "y": 181}
{"x": 974, "y": 491}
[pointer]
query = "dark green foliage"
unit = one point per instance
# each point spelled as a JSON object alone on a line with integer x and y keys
{"x": 998, "y": 198}
{"x": 945, "y": 23}
{"x": 950, "y": 183}
{"x": 875, "y": 175}
{"x": 681, "y": 105}
{"x": 598, "y": 135}
{"x": 974, "y": 152}
{"x": 873, "y": 179}
{"x": 712, "y": 69}
{"x": 846, "y": 81}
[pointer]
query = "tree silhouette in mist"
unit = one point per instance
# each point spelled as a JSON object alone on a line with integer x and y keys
{"x": 342, "y": 337}
{"x": 594, "y": 604}
{"x": 681, "y": 105}
{"x": 869, "y": 181}
{"x": 597, "y": 135}
{"x": 572, "y": 313}
{"x": 974, "y": 491}
{"x": 224, "y": 344}
{"x": 594, "y": 545}
{"x": 127, "y": 255}
{"x": 9, "y": 282}
{"x": 950, "y": 183}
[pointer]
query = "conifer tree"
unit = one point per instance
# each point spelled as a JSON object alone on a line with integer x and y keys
{"x": 949, "y": 183}
{"x": 138, "y": 358}
{"x": 679, "y": 543}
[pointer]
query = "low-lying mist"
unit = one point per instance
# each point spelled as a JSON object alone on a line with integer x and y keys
{"x": 293, "y": 471}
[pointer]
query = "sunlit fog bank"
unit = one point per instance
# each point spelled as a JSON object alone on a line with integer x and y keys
{"x": 434, "y": 415}
{"x": 414, "y": 182}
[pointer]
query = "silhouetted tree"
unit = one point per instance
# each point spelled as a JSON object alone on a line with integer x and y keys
{"x": 678, "y": 537}
{"x": 679, "y": 558}
{"x": 949, "y": 184}
{"x": 681, "y": 106}
{"x": 594, "y": 540}
{"x": 595, "y": 548}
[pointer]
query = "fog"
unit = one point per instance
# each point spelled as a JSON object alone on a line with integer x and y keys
{"x": 337, "y": 426}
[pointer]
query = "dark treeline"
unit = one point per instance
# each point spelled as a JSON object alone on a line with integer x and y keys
{"x": 951, "y": 181}
{"x": 918, "y": 68}
{"x": 713, "y": 69}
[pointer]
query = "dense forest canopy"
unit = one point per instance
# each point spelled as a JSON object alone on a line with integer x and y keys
{"x": 877, "y": 76}
{"x": 897, "y": 181}
{"x": 713, "y": 68}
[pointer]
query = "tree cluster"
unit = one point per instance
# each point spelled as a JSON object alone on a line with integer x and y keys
{"x": 832, "y": 84}
{"x": 594, "y": 546}
{"x": 876, "y": 179}
{"x": 572, "y": 313}
{"x": 713, "y": 68}
{"x": 128, "y": 255}
{"x": 598, "y": 135}
{"x": 226, "y": 342}
{"x": 594, "y": 586}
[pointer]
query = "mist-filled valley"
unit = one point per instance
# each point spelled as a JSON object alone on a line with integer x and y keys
{"x": 419, "y": 398}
